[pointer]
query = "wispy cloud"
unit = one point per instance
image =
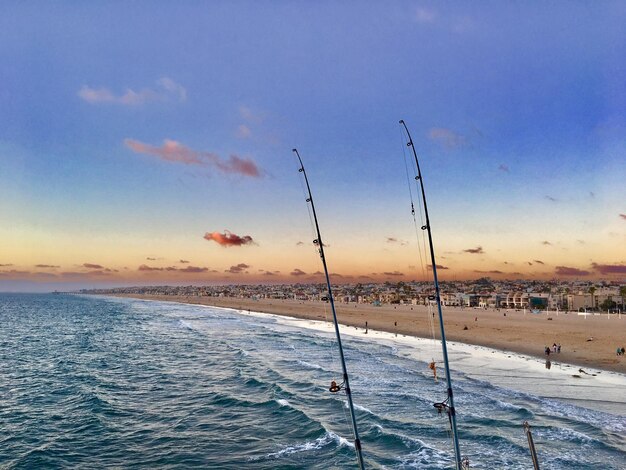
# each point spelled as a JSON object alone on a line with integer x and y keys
{"x": 393, "y": 274}
{"x": 6, "y": 265}
{"x": 546, "y": 243}
{"x": 623, "y": 216}
{"x": 299, "y": 243}
{"x": 46, "y": 266}
{"x": 493, "y": 271}
{"x": 503, "y": 167}
{"x": 243, "y": 132}
{"x": 394, "y": 240}
{"x": 165, "y": 89}
{"x": 238, "y": 269}
{"x": 475, "y": 251}
{"x": 251, "y": 116}
{"x": 145, "y": 267}
{"x": 568, "y": 271}
{"x": 228, "y": 239}
{"x": 173, "y": 151}
{"x": 439, "y": 266}
{"x": 183, "y": 261}
{"x": 92, "y": 266}
{"x": 538, "y": 261}
{"x": 297, "y": 272}
{"x": 193, "y": 269}
{"x": 447, "y": 138}
{"x": 550, "y": 198}
{"x": 425, "y": 15}
{"x": 609, "y": 268}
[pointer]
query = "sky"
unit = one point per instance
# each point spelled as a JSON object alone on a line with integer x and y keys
{"x": 150, "y": 142}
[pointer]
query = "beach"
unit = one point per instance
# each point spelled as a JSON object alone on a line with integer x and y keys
{"x": 586, "y": 341}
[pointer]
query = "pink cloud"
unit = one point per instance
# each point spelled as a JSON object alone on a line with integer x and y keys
{"x": 609, "y": 268}
{"x": 46, "y": 266}
{"x": 173, "y": 151}
{"x": 567, "y": 271}
{"x": 623, "y": 216}
{"x": 297, "y": 272}
{"x": 166, "y": 89}
{"x": 92, "y": 266}
{"x": 447, "y": 138}
{"x": 394, "y": 273}
{"x": 183, "y": 261}
{"x": 228, "y": 239}
{"x": 145, "y": 267}
{"x": 439, "y": 266}
{"x": 238, "y": 269}
{"x": 193, "y": 269}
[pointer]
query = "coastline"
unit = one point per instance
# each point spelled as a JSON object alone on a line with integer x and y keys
{"x": 516, "y": 332}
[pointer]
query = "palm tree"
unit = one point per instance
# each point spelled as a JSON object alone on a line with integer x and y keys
{"x": 592, "y": 291}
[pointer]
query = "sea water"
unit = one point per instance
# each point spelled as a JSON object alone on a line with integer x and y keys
{"x": 89, "y": 382}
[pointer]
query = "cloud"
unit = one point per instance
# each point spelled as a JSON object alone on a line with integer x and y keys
{"x": 238, "y": 269}
{"x": 546, "y": 242}
{"x": 394, "y": 240}
{"x": 567, "y": 271}
{"x": 425, "y": 15}
{"x": 250, "y": 115}
{"x": 394, "y": 273}
{"x": 46, "y": 266}
{"x": 151, "y": 259}
{"x": 609, "y": 268}
{"x": 5, "y": 265}
{"x": 243, "y": 132}
{"x": 166, "y": 89}
{"x": 494, "y": 271}
{"x": 538, "y": 261}
{"x": 623, "y": 216}
{"x": 475, "y": 251}
{"x": 592, "y": 194}
{"x": 447, "y": 138}
{"x": 173, "y": 151}
{"x": 268, "y": 273}
{"x": 503, "y": 167}
{"x": 529, "y": 263}
{"x": 92, "y": 266}
{"x": 297, "y": 272}
{"x": 299, "y": 243}
{"x": 228, "y": 238}
{"x": 145, "y": 267}
{"x": 193, "y": 269}
{"x": 439, "y": 266}
{"x": 183, "y": 261}
{"x": 550, "y": 198}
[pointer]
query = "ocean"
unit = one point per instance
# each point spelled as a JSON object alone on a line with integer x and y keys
{"x": 95, "y": 382}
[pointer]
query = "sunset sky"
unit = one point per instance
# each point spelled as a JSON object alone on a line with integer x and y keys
{"x": 150, "y": 142}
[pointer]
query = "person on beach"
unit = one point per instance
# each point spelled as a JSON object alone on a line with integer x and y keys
{"x": 554, "y": 347}
{"x": 558, "y": 348}
{"x": 432, "y": 366}
{"x": 547, "y": 350}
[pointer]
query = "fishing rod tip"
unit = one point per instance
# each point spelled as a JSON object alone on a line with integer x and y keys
{"x": 401, "y": 121}
{"x": 294, "y": 150}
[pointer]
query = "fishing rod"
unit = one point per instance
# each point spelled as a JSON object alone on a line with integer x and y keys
{"x": 448, "y": 404}
{"x": 346, "y": 383}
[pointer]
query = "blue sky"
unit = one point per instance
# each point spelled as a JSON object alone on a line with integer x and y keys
{"x": 517, "y": 110}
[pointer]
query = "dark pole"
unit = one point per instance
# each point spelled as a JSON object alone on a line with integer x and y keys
{"x": 320, "y": 245}
{"x": 451, "y": 411}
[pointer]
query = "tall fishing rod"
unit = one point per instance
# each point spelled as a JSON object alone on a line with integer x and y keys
{"x": 448, "y": 404}
{"x": 346, "y": 383}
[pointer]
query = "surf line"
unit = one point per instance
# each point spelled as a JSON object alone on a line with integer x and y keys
{"x": 334, "y": 388}
{"x": 448, "y": 404}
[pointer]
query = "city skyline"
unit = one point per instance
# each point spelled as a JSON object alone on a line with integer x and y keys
{"x": 150, "y": 143}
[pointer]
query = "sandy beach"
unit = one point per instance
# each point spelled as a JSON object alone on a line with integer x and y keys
{"x": 589, "y": 341}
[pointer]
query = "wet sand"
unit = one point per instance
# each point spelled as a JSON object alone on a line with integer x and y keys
{"x": 515, "y": 332}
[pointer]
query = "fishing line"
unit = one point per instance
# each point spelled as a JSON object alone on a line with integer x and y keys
{"x": 408, "y": 182}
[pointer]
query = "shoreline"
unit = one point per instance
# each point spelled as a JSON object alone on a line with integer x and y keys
{"x": 586, "y": 341}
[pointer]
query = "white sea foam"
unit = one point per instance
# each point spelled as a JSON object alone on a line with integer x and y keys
{"x": 318, "y": 443}
{"x": 283, "y": 402}
{"x": 309, "y": 365}
{"x": 506, "y": 369}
